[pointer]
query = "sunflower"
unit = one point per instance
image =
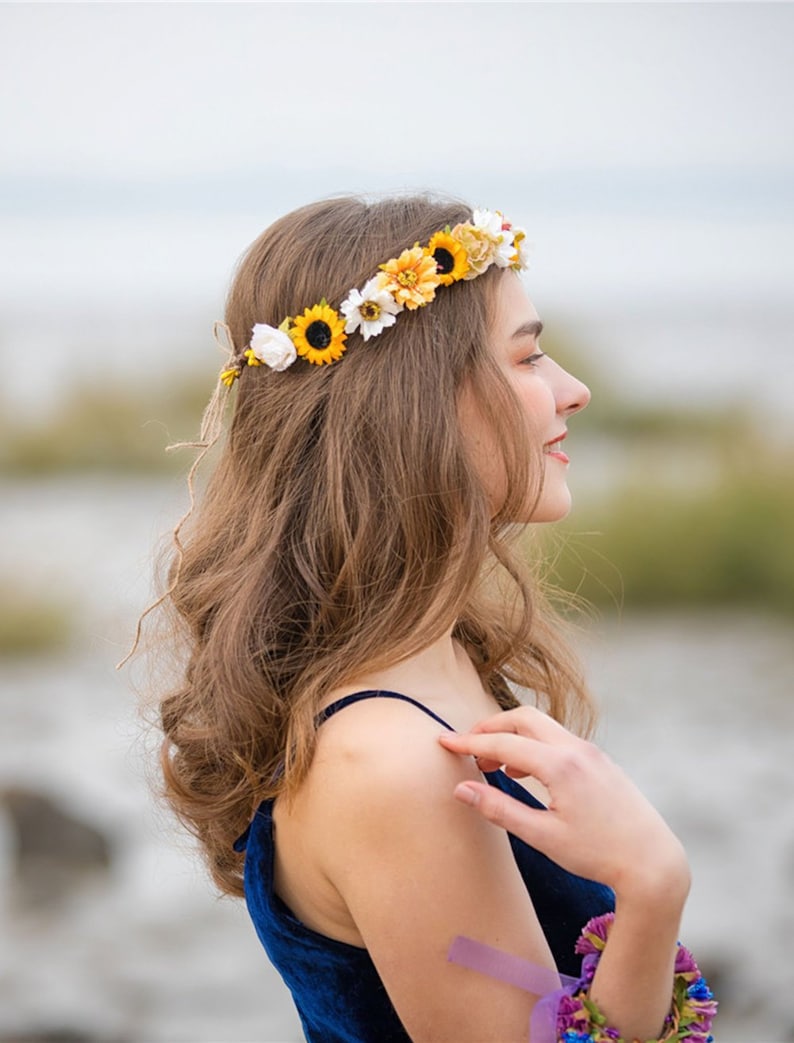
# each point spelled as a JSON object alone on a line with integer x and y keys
{"x": 319, "y": 334}
{"x": 450, "y": 256}
{"x": 412, "y": 277}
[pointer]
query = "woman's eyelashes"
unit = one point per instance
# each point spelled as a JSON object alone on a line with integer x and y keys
{"x": 532, "y": 360}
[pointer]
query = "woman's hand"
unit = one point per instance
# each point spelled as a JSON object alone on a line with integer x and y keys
{"x": 598, "y": 824}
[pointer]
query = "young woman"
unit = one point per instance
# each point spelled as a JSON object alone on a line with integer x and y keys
{"x": 351, "y": 605}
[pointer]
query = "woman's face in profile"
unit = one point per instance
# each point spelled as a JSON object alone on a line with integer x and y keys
{"x": 546, "y": 393}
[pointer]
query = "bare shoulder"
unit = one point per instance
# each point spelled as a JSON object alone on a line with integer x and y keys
{"x": 385, "y": 743}
{"x": 415, "y": 869}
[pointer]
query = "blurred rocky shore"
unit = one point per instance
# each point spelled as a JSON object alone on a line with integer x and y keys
{"x": 111, "y": 931}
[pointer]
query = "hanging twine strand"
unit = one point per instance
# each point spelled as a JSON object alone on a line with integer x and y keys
{"x": 210, "y": 431}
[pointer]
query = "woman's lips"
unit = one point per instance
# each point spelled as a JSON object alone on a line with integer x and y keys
{"x": 554, "y": 449}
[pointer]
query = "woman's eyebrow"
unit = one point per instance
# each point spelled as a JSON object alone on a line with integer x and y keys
{"x": 529, "y": 329}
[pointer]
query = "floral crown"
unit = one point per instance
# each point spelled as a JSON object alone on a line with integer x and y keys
{"x": 408, "y": 281}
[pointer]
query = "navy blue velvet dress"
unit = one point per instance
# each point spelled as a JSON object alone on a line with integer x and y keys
{"x": 339, "y": 996}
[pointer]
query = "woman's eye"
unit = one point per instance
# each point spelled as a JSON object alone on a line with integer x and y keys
{"x": 531, "y": 360}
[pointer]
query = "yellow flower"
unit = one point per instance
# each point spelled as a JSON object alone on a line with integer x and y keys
{"x": 319, "y": 334}
{"x": 412, "y": 277}
{"x": 519, "y": 258}
{"x": 228, "y": 376}
{"x": 450, "y": 257}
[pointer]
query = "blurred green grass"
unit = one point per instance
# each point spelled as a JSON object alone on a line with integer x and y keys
{"x": 104, "y": 428}
{"x": 726, "y": 544}
{"x": 32, "y": 623}
{"x": 699, "y": 512}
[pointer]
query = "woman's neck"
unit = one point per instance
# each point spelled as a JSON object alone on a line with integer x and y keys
{"x": 441, "y": 675}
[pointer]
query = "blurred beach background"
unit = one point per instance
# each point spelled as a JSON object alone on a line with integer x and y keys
{"x": 649, "y": 151}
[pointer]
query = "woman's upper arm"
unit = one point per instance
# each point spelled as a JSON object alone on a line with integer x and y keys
{"x": 415, "y": 869}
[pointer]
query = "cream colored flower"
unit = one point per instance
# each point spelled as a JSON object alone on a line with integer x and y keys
{"x": 271, "y": 346}
{"x": 480, "y": 247}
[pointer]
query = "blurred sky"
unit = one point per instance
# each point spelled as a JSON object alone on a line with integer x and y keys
{"x": 648, "y": 148}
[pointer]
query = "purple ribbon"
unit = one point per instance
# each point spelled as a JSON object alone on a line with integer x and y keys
{"x": 514, "y": 970}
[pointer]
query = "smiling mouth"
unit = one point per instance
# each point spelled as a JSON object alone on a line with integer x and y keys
{"x": 555, "y": 449}
{"x": 554, "y": 446}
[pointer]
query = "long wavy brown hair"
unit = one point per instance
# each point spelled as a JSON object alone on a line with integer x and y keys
{"x": 344, "y": 527}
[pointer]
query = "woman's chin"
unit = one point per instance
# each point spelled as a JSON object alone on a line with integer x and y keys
{"x": 552, "y": 508}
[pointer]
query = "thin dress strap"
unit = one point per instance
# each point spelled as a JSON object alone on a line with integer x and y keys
{"x": 356, "y": 697}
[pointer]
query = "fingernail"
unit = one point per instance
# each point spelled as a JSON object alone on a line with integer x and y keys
{"x": 466, "y": 794}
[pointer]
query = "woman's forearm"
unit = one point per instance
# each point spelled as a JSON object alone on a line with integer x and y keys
{"x": 632, "y": 985}
{"x": 598, "y": 825}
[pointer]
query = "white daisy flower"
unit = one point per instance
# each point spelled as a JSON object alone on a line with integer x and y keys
{"x": 488, "y": 221}
{"x": 505, "y": 249}
{"x": 371, "y": 309}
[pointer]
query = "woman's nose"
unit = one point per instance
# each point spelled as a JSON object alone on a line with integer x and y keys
{"x": 571, "y": 394}
{"x": 580, "y": 397}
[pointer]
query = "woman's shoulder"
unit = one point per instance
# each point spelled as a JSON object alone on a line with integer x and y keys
{"x": 380, "y": 786}
{"x": 412, "y": 866}
{"x": 376, "y": 740}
